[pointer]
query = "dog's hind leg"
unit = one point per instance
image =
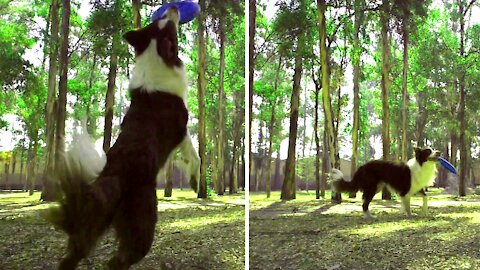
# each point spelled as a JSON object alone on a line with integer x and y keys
{"x": 135, "y": 227}
{"x": 425, "y": 201}
{"x": 367, "y": 198}
{"x": 79, "y": 245}
{"x": 406, "y": 205}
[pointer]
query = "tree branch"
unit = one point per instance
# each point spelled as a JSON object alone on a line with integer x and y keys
{"x": 151, "y": 3}
{"x": 345, "y": 18}
{"x": 77, "y": 44}
{"x": 468, "y": 7}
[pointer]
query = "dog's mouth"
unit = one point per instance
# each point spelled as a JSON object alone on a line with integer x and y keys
{"x": 434, "y": 156}
{"x": 163, "y": 32}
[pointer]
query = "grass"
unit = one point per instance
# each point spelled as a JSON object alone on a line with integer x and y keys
{"x": 314, "y": 234}
{"x": 190, "y": 234}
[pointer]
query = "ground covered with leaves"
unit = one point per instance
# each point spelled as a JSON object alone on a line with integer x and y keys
{"x": 190, "y": 234}
{"x": 314, "y": 234}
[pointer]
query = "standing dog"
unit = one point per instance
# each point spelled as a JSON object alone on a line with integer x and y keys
{"x": 123, "y": 194}
{"x": 406, "y": 179}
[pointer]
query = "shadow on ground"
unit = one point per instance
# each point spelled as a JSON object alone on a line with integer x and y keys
{"x": 204, "y": 237}
{"x": 316, "y": 234}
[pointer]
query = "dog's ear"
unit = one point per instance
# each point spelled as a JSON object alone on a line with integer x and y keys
{"x": 138, "y": 39}
{"x": 417, "y": 149}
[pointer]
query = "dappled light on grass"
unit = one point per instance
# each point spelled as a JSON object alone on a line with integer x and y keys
{"x": 473, "y": 217}
{"x": 377, "y": 229}
{"x": 204, "y": 234}
{"x": 214, "y": 218}
{"x": 18, "y": 198}
{"x": 329, "y": 236}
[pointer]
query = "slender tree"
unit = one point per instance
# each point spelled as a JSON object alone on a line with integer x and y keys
{"x": 219, "y": 173}
{"x": 385, "y": 85}
{"x": 137, "y": 19}
{"x": 271, "y": 128}
{"x": 201, "y": 89}
{"x": 326, "y": 102}
{"x": 289, "y": 186}
{"x": 463, "y": 9}
{"x": 356, "y": 58}
{"x": 62, "y": 85}
{"x": 251, "y": 68}
{"x": 110, "y": 96}
{"x": 49, "y": 192}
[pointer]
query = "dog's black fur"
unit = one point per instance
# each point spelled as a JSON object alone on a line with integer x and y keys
{"x": 374, "y": 175}
{"x": 124, "y": 193}
{"x": 369, "y": 177}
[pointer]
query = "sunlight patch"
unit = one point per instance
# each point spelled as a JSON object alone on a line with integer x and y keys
{"x": 195, "y": 223}
{"x": 380, "y": 229}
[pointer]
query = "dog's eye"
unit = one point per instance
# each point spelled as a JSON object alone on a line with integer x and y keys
{"x": 163, "y": 16}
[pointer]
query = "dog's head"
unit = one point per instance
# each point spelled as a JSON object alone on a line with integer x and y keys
{"x": 158, "y": 38}
{"x": 426, "y": 154}
{"x": 157, "y": 64}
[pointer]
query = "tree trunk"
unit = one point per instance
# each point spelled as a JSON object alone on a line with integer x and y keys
{"x": 385, "y": 88}
{"x": 357, "y": 49}
{"x": 317, "y": 144}
{"x": 461, "y": 115}
{"x": 168, "y": 178}
{"x": 304, "y": 135}
{"x": 62, "y": 85}
{"x": 91, "y": 121}
{"x": 137, "y": 19}
{"x": 251, "y": 70}
{"x": 46, "y": 37}
{"x": 405, "y": 140}
{"x": 421, "y": 118}
{"x": 8, "y": 186}
{"x": 49, "y": 190}
{"x": 260, "y": 174}
{"x": 325, "y": 164}
{"x": 110, "y": 97}
{"x": 239, "y": 114}
{"x": 221, "y": 125}
{"x": 32, "y": 156}
{"x": 22, "y": 156}
{"x": 201, "y": 84}
{"x": 30, "y": 170}
{"x": 454, "y": 147}
{"x": 289, "y": 188}
{"x": 271, "y": 132}
{"x": 336, "y": 124}
{"x": 62, "y": 88}
{"x": 326, "y": 102}
{"x": 241, "y": 169}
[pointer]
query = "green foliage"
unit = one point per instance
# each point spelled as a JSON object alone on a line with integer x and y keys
{"x": 209, "y": 182}
{"x": 434, "y": 68}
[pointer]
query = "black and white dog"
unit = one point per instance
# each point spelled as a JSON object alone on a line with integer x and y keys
{"x": 406, "y": 179}
{"x": 122, "y": 193}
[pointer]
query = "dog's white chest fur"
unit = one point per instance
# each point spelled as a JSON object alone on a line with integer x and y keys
{"x": 152, "y": 74}
{"x": 422, "y": 176}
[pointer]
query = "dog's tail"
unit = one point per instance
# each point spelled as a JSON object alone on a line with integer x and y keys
{"x": 80, "y": 201}
{"x": 339, "y": 184}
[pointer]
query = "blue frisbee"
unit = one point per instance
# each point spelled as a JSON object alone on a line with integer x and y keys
{"x": 447, "y": 165}
{"x": 188, "y": 10}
